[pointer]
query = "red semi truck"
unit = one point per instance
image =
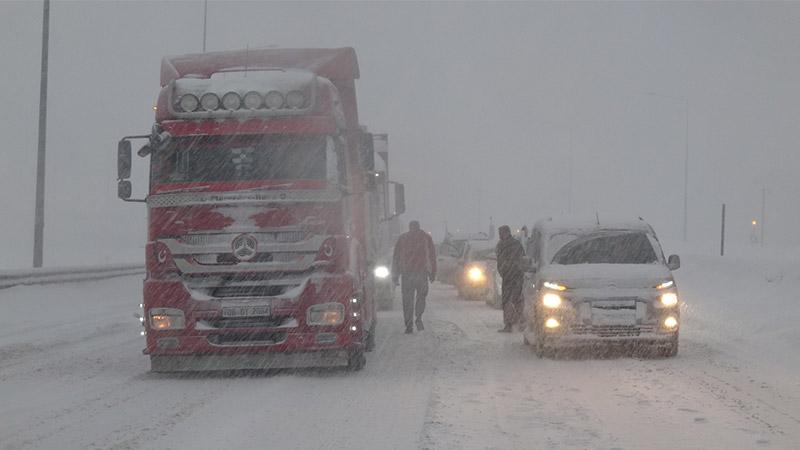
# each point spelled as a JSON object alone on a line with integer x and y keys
{"x": 263, "y": 230}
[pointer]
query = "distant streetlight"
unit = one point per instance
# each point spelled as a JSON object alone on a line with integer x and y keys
{"x": 685, "y": 101}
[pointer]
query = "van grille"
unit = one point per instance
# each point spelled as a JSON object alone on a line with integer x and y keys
{"x": 612, "y": 330}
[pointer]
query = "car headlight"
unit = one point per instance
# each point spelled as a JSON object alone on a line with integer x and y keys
{"x": 666, "y": 284}
{"x": 552, "y": 323}
{"x": 669, "y": 299}
{"x": 554, "y": 286}
{"x": 167, "y": 319}
{"x": 381, "y": 272}
{"x": 551, "y": 300}
{"x": 476, "y": 275}
{"x": 325, "y": 314}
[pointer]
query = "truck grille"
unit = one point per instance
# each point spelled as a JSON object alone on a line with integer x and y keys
{"x": 246, "y": 339}
{"x": 246, "y": 322}
{"x": 249, "y": 291}
{"x": 243, "y": 285}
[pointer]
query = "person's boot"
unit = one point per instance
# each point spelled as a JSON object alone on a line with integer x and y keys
{"x": 409, "y": 330}
{"x": 420, "y": 327}
{"x": 505, "y": 329}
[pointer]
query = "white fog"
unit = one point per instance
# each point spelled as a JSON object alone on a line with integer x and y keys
{"x": 262, "y": 292}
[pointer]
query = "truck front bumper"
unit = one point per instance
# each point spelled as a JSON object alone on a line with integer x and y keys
{"x": 242, "y": 361}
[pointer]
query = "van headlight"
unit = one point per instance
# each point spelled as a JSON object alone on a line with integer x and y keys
{"x": 325, "y": 314}
{"x": 551, "y": 300}
{"x": 167, "y": 319}
{"x": 381, "y": 272}
{"x": 669, "y": 299}
{"x": 554, "y": 286}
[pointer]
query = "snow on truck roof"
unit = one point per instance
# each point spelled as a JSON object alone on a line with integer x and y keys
{"x": 590, "y": 223}
{"x": 336, "y": 64}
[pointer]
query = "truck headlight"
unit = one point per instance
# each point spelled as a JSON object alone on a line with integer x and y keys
{"x": 381, "y": 272}
{"x": 188, "y": 102}
{"x": 167, "y": 319}
{"x": 669, "y": 299}
{"x": 273, "y": 100}
{"x": 325, "y": 314}
{"x": 551, "y": 300}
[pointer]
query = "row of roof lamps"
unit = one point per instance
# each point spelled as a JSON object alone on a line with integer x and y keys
{"x": 232, "y": 101}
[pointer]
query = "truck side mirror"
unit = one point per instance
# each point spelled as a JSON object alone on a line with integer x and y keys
{"x": 367, "y": 152}
{"x": 124, "y": 189}
{"x": 399, "y": 199}
{"x": 124, "y": 160}
{"x": 674, "y": 262}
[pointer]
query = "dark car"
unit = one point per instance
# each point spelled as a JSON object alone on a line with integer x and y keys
{"x": 477, "y": 277}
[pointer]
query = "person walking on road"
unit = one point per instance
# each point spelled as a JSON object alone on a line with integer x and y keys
{"x": 510, "y": 266}
{"x": 415, "y": 261}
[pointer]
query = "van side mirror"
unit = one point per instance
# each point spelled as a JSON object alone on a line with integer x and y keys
{"x": 399, "y": 199}
{"x": 124, "y": 189}
{"x": 124, "y": 159}
{"x": 674, "y": 262}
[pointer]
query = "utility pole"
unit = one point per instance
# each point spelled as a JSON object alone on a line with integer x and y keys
{"x": 569, "y": 197}
{"x": 686, "y": 175}
{"x": 685, "y": 101}
{"x": 722, "y": 234}
{"x": 763, "y": 208}
{"x": 38, "y": 223}
{"x": 205, "y": 21}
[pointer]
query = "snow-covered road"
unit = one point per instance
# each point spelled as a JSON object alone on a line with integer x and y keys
{"x": 72, "y": 376}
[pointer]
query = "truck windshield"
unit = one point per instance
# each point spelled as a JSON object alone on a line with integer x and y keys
{"x": 244, "y": 158}
{"x": 608, "y": 248}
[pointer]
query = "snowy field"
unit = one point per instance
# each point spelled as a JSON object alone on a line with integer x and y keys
{"x": 72, "y": 377}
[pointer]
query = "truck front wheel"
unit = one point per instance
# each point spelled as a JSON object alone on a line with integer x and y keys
{"x": 357, "y": 361}
{"x": 369, "y": 344}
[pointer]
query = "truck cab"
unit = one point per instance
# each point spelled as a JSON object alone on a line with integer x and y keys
{"x": 259, "y": 244}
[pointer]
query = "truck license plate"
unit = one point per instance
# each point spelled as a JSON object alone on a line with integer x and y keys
{"x": 245, "y": 311}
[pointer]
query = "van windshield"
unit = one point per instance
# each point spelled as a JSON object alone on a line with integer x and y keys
{"x": 608, "y": 248}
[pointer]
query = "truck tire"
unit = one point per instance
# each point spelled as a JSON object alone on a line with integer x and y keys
{"x": 357, "y": 361}
{"x": 369, "y": 343}
{"x": 671, "y": 351}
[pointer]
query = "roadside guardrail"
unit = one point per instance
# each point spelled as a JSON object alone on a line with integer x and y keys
{"x": 49, "y": 275}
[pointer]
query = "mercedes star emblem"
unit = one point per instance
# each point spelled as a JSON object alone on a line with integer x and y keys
{"x": 244, "y": 247}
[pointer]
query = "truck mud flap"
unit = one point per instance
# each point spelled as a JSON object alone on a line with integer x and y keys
{"x": 263, "y": 361}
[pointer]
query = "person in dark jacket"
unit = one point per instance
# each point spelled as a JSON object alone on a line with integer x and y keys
{"x": 415, "y": 261}
{"x": 510, "y": 266}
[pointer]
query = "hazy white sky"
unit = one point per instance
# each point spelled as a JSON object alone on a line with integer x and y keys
{"x": 482, "y": 102}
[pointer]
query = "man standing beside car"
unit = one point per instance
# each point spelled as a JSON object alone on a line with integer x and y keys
{"x": 510, "y": 267}
{"x": 415, "y": 261}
